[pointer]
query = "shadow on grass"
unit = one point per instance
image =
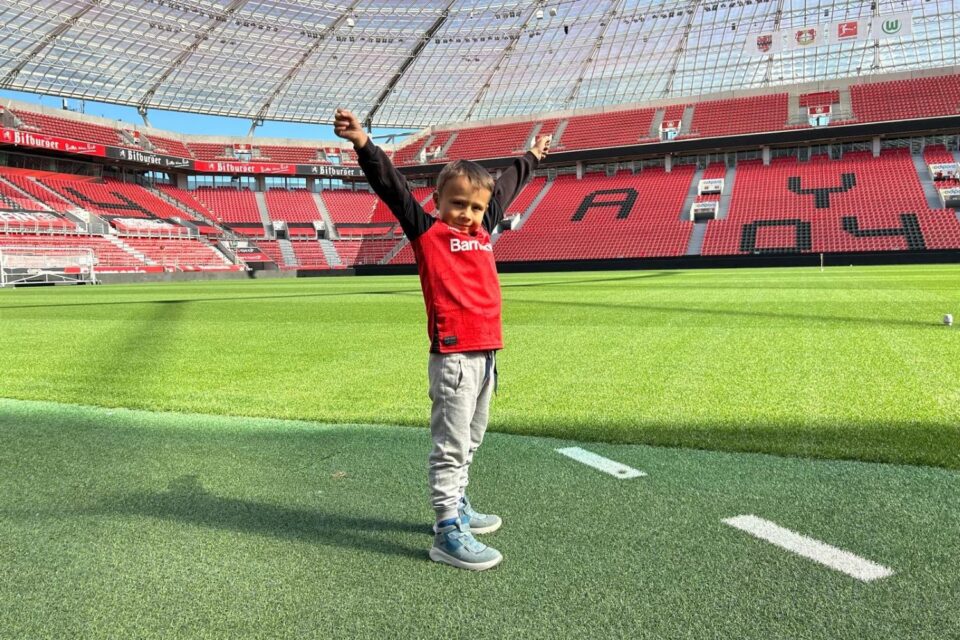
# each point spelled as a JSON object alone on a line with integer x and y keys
{"x": 562, "y": 283}
{"x": 187, "y": 501}
{"x": 735, "y": 313}
{"x": 106, "y": 303}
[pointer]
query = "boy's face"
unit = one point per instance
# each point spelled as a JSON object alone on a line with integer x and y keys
{"x": 462, "y": 205}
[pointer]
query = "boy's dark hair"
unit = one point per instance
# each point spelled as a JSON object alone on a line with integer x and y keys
{"x": 479, "y": 177}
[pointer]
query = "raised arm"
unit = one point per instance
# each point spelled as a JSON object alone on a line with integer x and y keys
{"x": 386, "y": 181}
{"x": 513, "y": 180}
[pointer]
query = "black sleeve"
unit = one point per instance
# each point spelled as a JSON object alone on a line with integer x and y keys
{"x": 393, "y": 190}
{"x": 508, "y": 187}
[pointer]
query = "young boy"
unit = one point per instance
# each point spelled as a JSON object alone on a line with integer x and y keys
{"x": 462, "y": 294}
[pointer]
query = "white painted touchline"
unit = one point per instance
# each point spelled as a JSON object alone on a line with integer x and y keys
{"x": 843, "y": 561}
{"x": 606, "y": 465}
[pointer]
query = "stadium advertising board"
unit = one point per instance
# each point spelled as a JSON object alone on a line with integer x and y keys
{"x": 272, "y": 168}
{"x": 944, "y": 171}
{"x": 51, "y": 143}
{"x": 148, "y": 225}
{"x": 32, "y": 219}
{"x": 950, "y": 197}
{"x": 703, "y": 211}
{"x": 149, "y": 158}
{"x": 328, "y": 171}
{"x": 276, "y": 168}
{"x": 711, "y": 185}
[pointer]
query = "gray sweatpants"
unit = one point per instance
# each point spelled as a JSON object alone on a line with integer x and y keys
{"x": 460, "y": 387}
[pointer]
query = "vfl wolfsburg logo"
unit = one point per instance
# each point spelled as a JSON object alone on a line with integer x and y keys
{"x": 891, "y": 27}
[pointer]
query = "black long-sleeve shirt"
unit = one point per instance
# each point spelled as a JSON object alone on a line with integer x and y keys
{"x": 392, "y": 187}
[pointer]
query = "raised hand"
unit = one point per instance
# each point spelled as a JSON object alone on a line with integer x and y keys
{"x": 541, "y": 147}
{"x": 347, "y": 126}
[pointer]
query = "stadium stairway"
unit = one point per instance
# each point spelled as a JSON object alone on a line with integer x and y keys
{"x": 686, "y": 120}
{"x": 397, "y": 248}
{"x": 261, "y": 199}
{"x": 123, "y": 246}
{"x": 448, "y": 144}
{"x": 183, "y": 206}
{"x": 691, "y": 194}
{"x": 535, "y": 203}
{"x": 330, "y": 253}
{"x": 696, "y": 238}
{"x": 796, "y": 115}
{"x": 658, "y": 115}
{"x": 332, "y": 232}
{"x": 844, "y": 110}
{"x": 286, "y": 250}
{"x": 558, "y": 132}
{"x": 724, "y": 205}
{"x": 926, "y": 181}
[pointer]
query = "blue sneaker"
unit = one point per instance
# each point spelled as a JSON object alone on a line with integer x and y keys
{"x": 453, "y": 544}
{"x": 478, "y": 522}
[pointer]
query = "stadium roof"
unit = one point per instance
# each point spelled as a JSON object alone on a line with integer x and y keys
{"x": 412, "y": 64}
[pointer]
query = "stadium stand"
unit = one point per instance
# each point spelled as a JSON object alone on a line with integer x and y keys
{"x": 272, "y": 249}
{"x": 210, "y": 151}
{"x": 297, "y": 155}
{"x": 859, "y": 203}
{"x": 610, "y": 129}
{"x": 820, "y": 98}
{"x": 292, "y": 205}
{"x": 369, "y": 251}
{"x": 489, "y": 142}
{"x": 229, "y": 205}
{"x": 906, "y": 99}
{"x": 526, "y": 196}
{"x": 349, "y": 206}
{"x": 740, "y": 115}
{"x": 186, "y": 197}
{"x": 169, "y": 146}
{"x": 627, "y": 216}
{"x": 309, "y": 254}
{"x": 12, "y": 199}
{"x": 938, "y": 154}
{"x": 69, "y": 128}
{"x": 113, "y": 198}
{"x": 110, "y": 257}
{"x": 38, "y": 191}
{"x": 181, "y": 254}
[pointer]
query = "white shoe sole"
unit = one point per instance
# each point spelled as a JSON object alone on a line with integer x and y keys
{"x": 489, "y": 529}
{"x": 439, "y": 555}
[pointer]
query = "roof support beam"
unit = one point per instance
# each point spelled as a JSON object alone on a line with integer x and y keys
{"x": 295, "y": 69}
{"x": 503, "y": 57}
{"x": 199, "y": 38}
{"x": 58, "y": 31}
{"x": 777, "y": 17}
{"x": 607, "y": 19}
{"x": 414, "y": 54}
{"x": 678, "y": 54}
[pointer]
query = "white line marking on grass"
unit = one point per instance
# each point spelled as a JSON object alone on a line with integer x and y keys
{"x": 838, "y": 559}
{"x": 606, "y": 465}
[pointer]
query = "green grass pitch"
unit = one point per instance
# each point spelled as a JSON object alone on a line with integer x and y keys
{"x": 266, "y": 490}
{"x": 849, "y": 363}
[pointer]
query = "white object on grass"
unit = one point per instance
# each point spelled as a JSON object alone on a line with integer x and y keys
{"x": 606, "y": 465}
{"x": 837, "y": 559}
